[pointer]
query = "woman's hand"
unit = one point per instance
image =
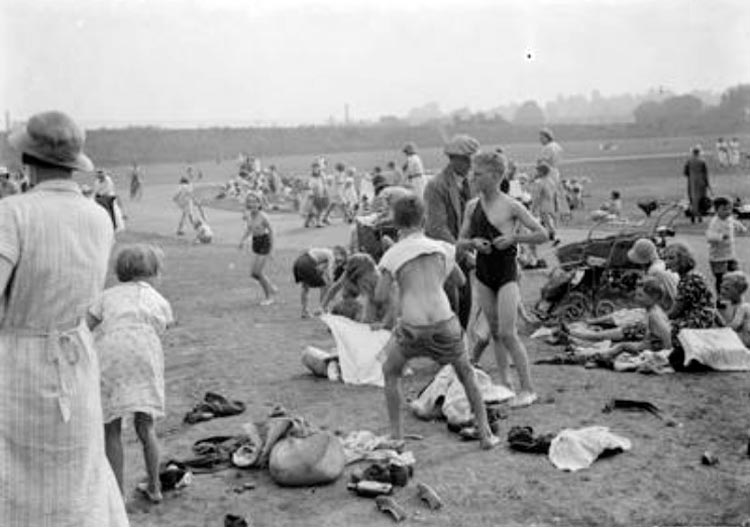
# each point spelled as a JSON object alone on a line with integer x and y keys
{"x": 503, "y": 241}
{"x": 482, "y": 245}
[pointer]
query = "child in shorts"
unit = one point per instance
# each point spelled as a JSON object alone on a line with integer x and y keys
{"x": 427, "y": 327}
{"x": 720, "y": 235}
{"x": 735, "y": 313}
{"x": 258, "y": 228}
{"x": 128, "y": 320}
{"x": 318, "y": 268}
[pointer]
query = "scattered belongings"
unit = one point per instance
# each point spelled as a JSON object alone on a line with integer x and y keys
{"x": 709, "y": 459}
{"x": 230, "y": 520}
{"x": 628, "y": 404}
{"x": 370, "y": 489}
{"x": 363, "y": 445}
{"x": 294, "y": 452}
{"x": 315, "y": 457}
{"x": 174, "y": 475}
{"x": 574, "y": 450}
{"x": 317, "y": 360}
{"x": 428, "y": 495}
{"x": 388, "y": 505}
{"x": 522, "y": 438}
{"x": 394, "y": 472}
{"x": 213, "y": 405}
{"x": 718, "y": 348}
{"x": 444, "y": 397}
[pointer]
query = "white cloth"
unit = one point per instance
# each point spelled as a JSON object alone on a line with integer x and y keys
{"x": 363, "y": 445}
{"x": 413, "y": 246}
{"x": 53, "y": 469}
{"x": 574, "y": 450}
{"x": 445, "y": 396}
{"x": 718, "y": 348}
{"x": 359, "y": 350}
{"x": 104, "y": 186}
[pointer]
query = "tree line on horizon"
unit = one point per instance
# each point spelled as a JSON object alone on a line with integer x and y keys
{"x": 672, "y": 115}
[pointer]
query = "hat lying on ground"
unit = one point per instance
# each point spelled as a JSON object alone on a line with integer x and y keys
{"x": 54, "y": 138}
{"x": 461, "y": 145}
{"x": 643, "y": 252}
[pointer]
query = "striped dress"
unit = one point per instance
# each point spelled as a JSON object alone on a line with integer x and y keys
{"x": 53, "y": 468}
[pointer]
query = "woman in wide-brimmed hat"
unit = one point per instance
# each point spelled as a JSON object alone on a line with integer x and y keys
{"x": 55, "y": 244}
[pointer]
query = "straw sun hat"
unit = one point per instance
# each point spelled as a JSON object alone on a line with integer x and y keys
{"x": 643, "y": 252}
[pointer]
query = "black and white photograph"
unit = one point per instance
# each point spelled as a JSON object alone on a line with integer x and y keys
{"x": 360, "y": 263}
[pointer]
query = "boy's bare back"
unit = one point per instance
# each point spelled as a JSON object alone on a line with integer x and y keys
{"x": 420, "y": 283}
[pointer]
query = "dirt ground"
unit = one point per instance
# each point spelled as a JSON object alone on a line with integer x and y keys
{"x": 225, "y": 342}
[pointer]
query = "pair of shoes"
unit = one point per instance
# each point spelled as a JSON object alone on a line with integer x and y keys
{"x": 523, "y": 399}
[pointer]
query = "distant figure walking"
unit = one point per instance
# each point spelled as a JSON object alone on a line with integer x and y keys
{"x": 136, "y": 183}
{"x": 696, "y": 172}
{"x": 551, "y": 154}
{"x": 413, "y": 170}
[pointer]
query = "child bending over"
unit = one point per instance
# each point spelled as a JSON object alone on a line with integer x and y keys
{"x": 427, "y": 327}
{"x": 128, "y": 320}
{"x": 318, "y": 268}
{"x": 735, "y": 313}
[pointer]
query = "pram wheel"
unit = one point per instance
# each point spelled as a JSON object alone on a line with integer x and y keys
{"x": 604, "y": 307}
{"x": 573, "y": 307}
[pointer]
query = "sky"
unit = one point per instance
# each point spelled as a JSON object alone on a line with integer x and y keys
{"x": 288, "y": 62}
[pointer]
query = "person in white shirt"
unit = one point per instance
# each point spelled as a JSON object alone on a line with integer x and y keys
{"x": 720, "y": 235}
{"x": 413, "y": 170}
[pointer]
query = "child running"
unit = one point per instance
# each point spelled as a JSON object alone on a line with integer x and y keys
{"x": 129, "y": 318}
{"x": 427, "y": 327}
{"x": 259, "y": 228}
{"x": 318, "y": 268}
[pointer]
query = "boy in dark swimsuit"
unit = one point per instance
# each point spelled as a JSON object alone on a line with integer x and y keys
{"x": 427, "y": 327}
{"x": 489, "y": 227}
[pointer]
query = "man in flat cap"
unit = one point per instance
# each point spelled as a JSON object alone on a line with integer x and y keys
{"x": 445, "y": 199}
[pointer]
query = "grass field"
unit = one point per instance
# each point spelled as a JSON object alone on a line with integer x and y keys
{"x": 225, "y": 342}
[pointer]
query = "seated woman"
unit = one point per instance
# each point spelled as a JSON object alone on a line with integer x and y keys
{"x": 694, "y": 306}
{"x": 734, "y": 313}
{"x": 628, "y": 322}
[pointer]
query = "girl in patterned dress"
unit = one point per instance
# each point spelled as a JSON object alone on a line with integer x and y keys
{"x": 128, "y": 320}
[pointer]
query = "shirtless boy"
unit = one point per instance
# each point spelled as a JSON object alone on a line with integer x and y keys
{"x": 427, "y": 327}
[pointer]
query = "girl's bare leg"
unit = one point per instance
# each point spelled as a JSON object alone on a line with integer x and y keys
{"x": 144, "y": 428}
{"x": 113, "y": 448}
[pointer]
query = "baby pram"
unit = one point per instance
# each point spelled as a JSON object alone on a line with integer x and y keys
{"x": 595, "y": 276}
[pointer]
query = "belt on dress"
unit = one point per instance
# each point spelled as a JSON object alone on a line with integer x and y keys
{"x": 62, "y": 347}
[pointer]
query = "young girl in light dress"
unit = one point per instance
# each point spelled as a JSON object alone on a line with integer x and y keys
{"x": 258, "y": 227}
{"x": 128, "y": 320}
